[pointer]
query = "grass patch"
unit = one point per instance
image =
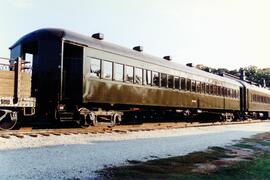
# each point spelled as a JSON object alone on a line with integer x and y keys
{"x": 186, "y": 167}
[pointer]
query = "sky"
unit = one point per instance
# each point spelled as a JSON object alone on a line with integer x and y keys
{"x": 217, "y": 33}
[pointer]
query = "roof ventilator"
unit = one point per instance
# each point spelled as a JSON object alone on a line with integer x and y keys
{"x": 169, "y": 58}
{"x": 190, "y": 64}
{"x": 98, "y": 36}
{"x": 138, "y": 48}
{"x": 242, "y": 74}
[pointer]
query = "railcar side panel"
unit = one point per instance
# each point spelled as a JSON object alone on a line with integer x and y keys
{"x": 260, "y": 105}
{"x": 102, "y": 91}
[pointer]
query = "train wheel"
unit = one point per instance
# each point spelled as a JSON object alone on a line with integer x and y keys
{"x": 116, "y": 119}
{"x": 84, "y": 121}
{"x": 92, "y": 119}
{"x": 8, "y": 119}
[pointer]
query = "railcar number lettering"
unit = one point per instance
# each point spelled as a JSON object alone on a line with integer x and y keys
{"x": 5, "y": 101}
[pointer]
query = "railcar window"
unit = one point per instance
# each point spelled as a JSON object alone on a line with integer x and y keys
{"x": 234, "y": 93}
{"x": 211, "y": 89}
{"x": 188, "y": 84}
{"x": 118, "y": 72}
{"x": 95, "y": 67}
{"x": 170, "y": 81}
{"x": 183, "y": 84}
{"x": 107, "y": 70}
{"x": 138, "y": 76}
{"x": 129, "y": 72}
{"x": 203, "y": 87}
{"x": 214, "y": 89}
{"x": 193, "y": 86}
{"x": 207, "y": 89}
{"x": 218, "y": 90}
{"x": 163, "y": 80}
{"x": 222, "y": 91}
{"x": 155, "y": 78}
{"x": 198, "y": 87}
{"x": 225, "y": 92}
{"x": 229, "y": 93}
{"x": 176, "y": 82}
{"x": 147, "y": 77}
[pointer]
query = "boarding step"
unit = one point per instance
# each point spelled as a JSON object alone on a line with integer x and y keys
{"x": 66, "y": 116}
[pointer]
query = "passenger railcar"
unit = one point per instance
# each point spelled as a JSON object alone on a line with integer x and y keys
{"x": 257, "y": 100}
{"x": 75, "y": 76}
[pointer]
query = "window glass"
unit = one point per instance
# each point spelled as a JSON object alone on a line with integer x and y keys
{"x": 95, "y": 67}
{"x": 193, "y": 86}
{"x": 229, "y": 92}
{"x": 183, "y": 84}
{"x": 214, "y": 89}
{"x": 207, "y": 89}
{"x": 218, "y": 90}
{"x": 138, "y": 76}
{"x": 155, "y": 76}
{"x": 203, "y": 87}
{"x": 129, "y": 74}
{"x": 170, "y": 81}
{"x": 225, "y": 91}
{"x": 211, "y": 89}
{"x": 234, "y": 93}
{"x": 163, "y": 80}
{"x": 147, "y": 79}
{"x": 118, "y": 72}
{"x": 176, "y": 82}
{"x": 107, "y": 70}
{"x": 188, "y": 84}
{"x": 198, "y": 87}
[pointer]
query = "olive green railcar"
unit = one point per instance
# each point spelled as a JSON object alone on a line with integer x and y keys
{"x": 75, "y": 74}
{"x": 258, "y": 99}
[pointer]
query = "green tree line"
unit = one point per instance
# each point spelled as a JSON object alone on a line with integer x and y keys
{"x": 253, "y": 73}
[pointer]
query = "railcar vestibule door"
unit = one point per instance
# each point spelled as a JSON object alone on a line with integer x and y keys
{"x": 72, "y": 73}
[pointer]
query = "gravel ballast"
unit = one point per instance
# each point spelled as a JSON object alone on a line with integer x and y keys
{"x": 80, "y": 156}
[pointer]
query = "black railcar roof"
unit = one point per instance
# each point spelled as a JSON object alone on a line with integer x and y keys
{"x": 52, "y": 33}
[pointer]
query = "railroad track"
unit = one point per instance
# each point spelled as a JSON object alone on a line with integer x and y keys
{"x": 121, "y": 129}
